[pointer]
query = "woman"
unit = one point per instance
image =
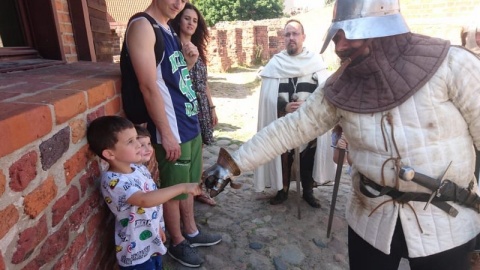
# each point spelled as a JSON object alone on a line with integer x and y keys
{"x": 190, "y": 26}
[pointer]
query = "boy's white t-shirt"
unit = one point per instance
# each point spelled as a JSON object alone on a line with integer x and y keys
{"x": 137, "y": 235}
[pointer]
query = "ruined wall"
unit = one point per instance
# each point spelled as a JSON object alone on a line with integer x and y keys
{"x": 438, "y": 18}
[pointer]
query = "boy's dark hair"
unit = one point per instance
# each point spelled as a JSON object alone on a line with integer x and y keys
{"x": 102, "y": 132}
{"x": 142, "y": 132}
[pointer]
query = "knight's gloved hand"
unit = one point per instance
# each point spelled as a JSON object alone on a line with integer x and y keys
{"x": 217, "y": 176}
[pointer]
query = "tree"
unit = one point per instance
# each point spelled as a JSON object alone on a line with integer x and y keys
{"x": 243, "y": 10}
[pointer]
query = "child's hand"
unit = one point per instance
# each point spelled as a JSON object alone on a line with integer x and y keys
{"x": 163, "y": 237}
{"x": 192, "y": 188}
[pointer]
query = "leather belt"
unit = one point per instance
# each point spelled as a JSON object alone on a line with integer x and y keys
{"x": 402, "y": 197}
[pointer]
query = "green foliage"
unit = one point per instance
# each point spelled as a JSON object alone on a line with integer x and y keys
{"x": 329, "y": 2}
{"x": 241, "y": 10}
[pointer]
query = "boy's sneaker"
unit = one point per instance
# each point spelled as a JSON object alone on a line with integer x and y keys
{"x": 203, "y": 239}
{"x": 185, "y": 254}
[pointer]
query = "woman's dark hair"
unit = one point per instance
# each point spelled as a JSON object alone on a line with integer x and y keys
{"x": 200, "y": 37}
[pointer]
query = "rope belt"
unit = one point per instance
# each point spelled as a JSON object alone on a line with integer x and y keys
{"x": 403, "y": 197}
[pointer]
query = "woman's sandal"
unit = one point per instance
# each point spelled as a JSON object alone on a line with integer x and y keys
{"x": 206, "y": 200}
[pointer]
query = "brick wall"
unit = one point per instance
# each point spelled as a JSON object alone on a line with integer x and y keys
{"x": 66, "y": 31}
{"x": 51, "y": 212}
{"x": 52, "y": 215}
{"x": 104, "y": 39}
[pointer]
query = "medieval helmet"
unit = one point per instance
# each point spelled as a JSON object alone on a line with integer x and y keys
{"x": 362, "y": 19}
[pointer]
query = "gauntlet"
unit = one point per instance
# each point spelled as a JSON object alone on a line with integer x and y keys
{"x": 217, "y": 176}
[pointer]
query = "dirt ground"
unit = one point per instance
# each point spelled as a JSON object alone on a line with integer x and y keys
{"x": 235, "y": 95}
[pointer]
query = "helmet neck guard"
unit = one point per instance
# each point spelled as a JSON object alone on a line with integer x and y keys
{"x": 397, "y": 67}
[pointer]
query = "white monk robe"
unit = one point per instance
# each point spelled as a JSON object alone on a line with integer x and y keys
{"x": 282, "y": 66}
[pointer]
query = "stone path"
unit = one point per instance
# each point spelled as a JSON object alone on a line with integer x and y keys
{"x": 257, "y": 235}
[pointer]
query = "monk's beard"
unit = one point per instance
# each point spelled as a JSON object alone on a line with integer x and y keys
{"x": 292, "y": 50}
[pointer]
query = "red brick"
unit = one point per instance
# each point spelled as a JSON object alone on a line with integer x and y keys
{"x": 85, "y": 260}
{"x": 54, "y": 245}
{"x": 100, "y": 93}
{"x": 34, "y": 264}
{"x": 67, "y": 50}
{"x": 118, "y": 84}
{"x": 4, "y": 96}
{"x": 114, "y": 106}
{"x": 66, "y": 103}
{"x": 70, "y": 256}
{"x": 88, "y": 179}
{"x": 73, "y": 49}
{"x": 97, "y": 113}
{"x": 23, "y": 171}
{"x": 2, "y": 262}
{"x": 68, "y": 39}
{"x": 96, "y": 221}
{"x": 76, "y": 163}
{"x": 78, "y": 129}
{"x": 21, "y": 124}
{"x": 71, "y": 58}
{"x": 84, "y": 183}
{"x": 28, "y": 86}
{"x": 65, "y": 203}
{"x": 40, "y": 198}
{"x": 97, "y": 256}
{"x": 3, "y": 182}
{"x": 98, "y": 90}
{"x": 63, "y": 17}
{"x": 87, "y": 209}
{"x": 29, "y": 240}
{"x": 7, "y": 223}
{"x": 61, "y": 6}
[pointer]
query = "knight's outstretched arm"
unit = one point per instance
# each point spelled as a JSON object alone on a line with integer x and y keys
{"x": 315, "y": 117}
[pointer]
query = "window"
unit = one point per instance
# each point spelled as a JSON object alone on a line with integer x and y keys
{"x": 28, "y": 35}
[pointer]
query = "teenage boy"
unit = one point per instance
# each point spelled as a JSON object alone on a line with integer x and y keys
{"x": 172, "y": 108}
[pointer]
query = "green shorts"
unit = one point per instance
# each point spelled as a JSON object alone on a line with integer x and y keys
{"x": 186, "y": 169}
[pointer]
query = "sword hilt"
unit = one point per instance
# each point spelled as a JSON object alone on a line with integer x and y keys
{"x": 408, "y": 174}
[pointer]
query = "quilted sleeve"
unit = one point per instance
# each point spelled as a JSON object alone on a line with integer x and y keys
{"x": 464, "y": 88}
{"x": 315, "y": 117}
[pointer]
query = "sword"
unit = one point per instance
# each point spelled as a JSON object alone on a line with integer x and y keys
{"x": 435, "y": 185}
{"x": 338, "y": 174}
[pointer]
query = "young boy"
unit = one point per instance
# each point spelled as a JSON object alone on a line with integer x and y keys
{"x": 143, "y": 136}
{"x": 131, "y": 194}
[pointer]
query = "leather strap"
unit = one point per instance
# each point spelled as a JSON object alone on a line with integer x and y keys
{"x": 404, "y": 197}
